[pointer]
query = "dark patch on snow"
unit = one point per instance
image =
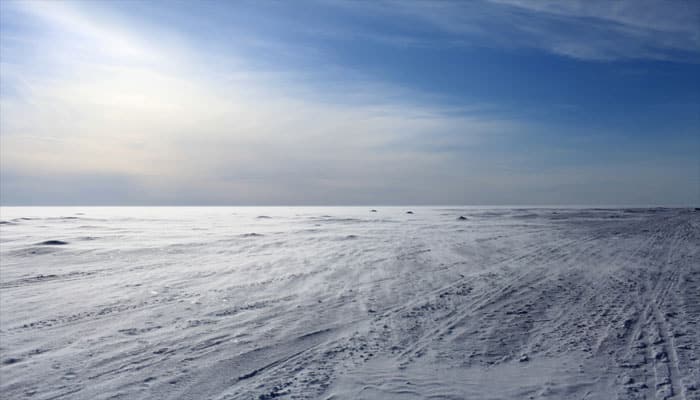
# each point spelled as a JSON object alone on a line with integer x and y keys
{"x": 23, "y": 219}
{"x": 251, "y": 234}
{"x": 315, "y": 333}
{"x": 52, "y": 243}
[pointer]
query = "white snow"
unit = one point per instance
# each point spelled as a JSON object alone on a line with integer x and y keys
{"x": 345, "y": 303}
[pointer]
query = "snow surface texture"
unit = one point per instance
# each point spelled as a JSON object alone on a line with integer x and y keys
{"x": 345, "y": 303}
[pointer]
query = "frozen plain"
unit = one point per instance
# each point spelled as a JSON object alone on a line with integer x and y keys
{"x": 344, "y": 303}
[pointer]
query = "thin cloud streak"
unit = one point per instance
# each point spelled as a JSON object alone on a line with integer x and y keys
{"x": 585, "y": 30}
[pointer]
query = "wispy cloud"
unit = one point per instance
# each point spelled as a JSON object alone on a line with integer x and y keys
{"x": 587, "y": 30}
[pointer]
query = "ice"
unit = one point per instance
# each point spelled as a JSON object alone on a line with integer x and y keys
{"x": 349, "y": 303}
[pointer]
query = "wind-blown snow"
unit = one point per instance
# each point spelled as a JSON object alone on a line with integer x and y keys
{"x": 344, "y": 303}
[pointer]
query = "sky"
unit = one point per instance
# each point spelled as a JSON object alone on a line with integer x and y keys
{"x": 493, "y": 102}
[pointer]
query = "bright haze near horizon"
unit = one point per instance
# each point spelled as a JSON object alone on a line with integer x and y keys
{"x": 349, "y": 103}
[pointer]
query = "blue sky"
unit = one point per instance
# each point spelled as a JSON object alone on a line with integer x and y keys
{"x": 329, "y": 102}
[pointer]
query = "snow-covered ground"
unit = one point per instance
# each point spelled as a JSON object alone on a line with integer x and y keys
{"x": 345, "y": 303}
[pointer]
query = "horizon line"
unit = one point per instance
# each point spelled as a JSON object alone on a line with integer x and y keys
{"x": 365, "y": 205}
